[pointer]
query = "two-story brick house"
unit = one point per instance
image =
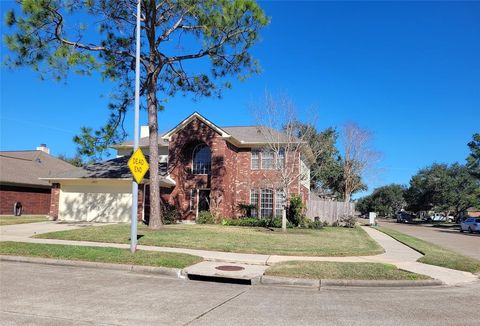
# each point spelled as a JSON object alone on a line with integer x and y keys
{"x": 206, "y": 167}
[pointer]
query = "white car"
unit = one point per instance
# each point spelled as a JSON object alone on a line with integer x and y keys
{"x": 439, "y": 217}
{"x": 471, "y": 224}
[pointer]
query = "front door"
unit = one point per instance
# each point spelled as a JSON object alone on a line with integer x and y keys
{"x": 203, "y": 200}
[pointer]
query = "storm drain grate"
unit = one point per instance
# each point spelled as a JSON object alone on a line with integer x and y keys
{"x": 229, "y": 268}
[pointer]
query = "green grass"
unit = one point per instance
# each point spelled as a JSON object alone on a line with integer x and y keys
{"x": 10, "y": 219}
{"x": 341, "y": 270}
{"x": 435, "y": 255}
{"x": 330, "y": 241}
{"x": 97, "y": 254}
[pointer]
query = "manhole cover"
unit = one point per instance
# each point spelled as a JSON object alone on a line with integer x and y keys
{"x": 229, "y": 268}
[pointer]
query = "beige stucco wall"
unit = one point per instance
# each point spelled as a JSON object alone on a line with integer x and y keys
{"x": 305, "y": 173}
{"x": 95, "y": 200}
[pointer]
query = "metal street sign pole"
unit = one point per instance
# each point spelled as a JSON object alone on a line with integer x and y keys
{"x": 133, "y": 230}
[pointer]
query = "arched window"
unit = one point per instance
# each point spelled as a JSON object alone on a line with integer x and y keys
{"x": 201, "y": 160}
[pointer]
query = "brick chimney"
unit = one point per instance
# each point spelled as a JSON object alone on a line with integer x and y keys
{"x": 144, "y": 131}
{"x": 43, "y": 148}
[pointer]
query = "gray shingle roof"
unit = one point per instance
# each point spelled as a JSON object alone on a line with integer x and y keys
{"x": 243, "y": 134}
{"x": 116, "y": 168}
{"x": 143, "y": 142}
{"x": 255, "y": 134}
{"x": 26, "y": 167}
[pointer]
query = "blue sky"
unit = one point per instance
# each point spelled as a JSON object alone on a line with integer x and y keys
{"x": 407, "y": 71}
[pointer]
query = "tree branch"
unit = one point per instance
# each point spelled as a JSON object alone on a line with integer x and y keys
{"x": 94, "y": 48}
{"x": 210, "y": 51}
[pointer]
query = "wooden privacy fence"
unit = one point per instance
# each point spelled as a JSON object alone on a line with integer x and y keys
{"x": 329, "y": 210}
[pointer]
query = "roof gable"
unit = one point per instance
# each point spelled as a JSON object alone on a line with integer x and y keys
{"x": 192, "y": 117}
{"x": 241, "y": 136}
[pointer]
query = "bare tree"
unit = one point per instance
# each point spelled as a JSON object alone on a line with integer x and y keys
{"x": 286, "y": 150}
{"x": 358, "y": 158}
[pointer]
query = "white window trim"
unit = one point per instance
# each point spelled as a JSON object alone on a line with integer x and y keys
{"x": 282, "y": 207}
{"x": 261, "y": 202}
{"x": 274, "y": 159}
{"x": 193, "y": 157}
{"x": 259, "y": 159}
{"x": 257, "y": 210}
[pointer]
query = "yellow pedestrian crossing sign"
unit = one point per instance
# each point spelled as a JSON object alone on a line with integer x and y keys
{"x": 138, "y": 165}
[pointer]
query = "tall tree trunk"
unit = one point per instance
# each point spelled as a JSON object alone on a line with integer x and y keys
{"x": 347, "y": 196}
{"x": 155, "y": 221}
{"x": 284, "y": 210}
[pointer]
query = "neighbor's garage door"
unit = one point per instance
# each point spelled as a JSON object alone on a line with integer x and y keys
{"x": 96, "y": 202}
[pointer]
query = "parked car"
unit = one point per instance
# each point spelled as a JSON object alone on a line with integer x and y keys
{"x": 471, "y": 224}
{"x": 404, "y": 217}
{"x": 440, "y": 217}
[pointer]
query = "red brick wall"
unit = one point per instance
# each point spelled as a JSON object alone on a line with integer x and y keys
{"x": 305, "y": 194}
{"x": 54, "y": 201}
{"x": 247, "y": 178}
{"x": 221, "y": 180}
{"x": 34, "y": 201}
{"x": 231, "y": 178}
{"x": 140, "y": 203}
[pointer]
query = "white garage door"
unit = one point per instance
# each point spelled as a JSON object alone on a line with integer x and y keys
{"x": 95, "y": 202}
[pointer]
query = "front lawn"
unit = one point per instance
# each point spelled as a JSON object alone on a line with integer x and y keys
{"x": 435, "y": 255}
{"x": 329, "y": 241}
{"x": 341, "y": 270}
{"x": 10, "y": 219}
{"x": 97, "y": 254}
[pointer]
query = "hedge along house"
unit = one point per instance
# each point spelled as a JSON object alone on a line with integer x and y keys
{"x": 204, "y": 168}
{"x": 20, "y": 173}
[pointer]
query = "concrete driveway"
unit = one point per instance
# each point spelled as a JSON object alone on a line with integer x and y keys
{"x": 18, "y": 232}
{"x": 464, "y": 243}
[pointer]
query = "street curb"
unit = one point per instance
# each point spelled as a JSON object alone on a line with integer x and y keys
{"x": 313, "y": 283}
{"x": 380, "y": 283}
{"x": 165, "y": 271}
{"x": 263, "y": 280}
{"x": 289, "y": 281}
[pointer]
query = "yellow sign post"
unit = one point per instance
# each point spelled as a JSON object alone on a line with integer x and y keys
{"x": 138, "y": 165}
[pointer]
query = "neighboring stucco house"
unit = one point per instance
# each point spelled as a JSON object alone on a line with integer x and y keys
{"x": 204, "y": 168}
{"x": 19, "y": 180}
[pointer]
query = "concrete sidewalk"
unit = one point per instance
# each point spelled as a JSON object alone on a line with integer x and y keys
{"x": 396, "y": 253}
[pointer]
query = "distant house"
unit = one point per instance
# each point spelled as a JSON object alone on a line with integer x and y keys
{"x": 19, "y": 180}
{"x": 204, "y": 167}
{"x": 471, "y": 212}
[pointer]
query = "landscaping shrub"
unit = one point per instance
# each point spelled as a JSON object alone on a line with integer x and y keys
{"x": 205, "y": 218}
{"x": 247, "y": 221}
{"x": 169, "y": 214}
{"x": 349, "y": 221}
{"x": 277, "y": 223}
{"x": 309, "y": 224}
{"x": 256, "y": 222}
{"x": 295, "y": 210}
{"x": 246, "y": 209}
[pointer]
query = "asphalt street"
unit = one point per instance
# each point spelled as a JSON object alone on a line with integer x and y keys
{"x": 35, "y": 294}
{"x": 465, "y": 243}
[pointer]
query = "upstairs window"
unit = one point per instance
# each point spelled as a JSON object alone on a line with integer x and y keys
{"x": 267, "y": 160}
{"x": 281, "y": 159}
{"x": 202, "y": 159}
{"x": 255, "y": 159}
